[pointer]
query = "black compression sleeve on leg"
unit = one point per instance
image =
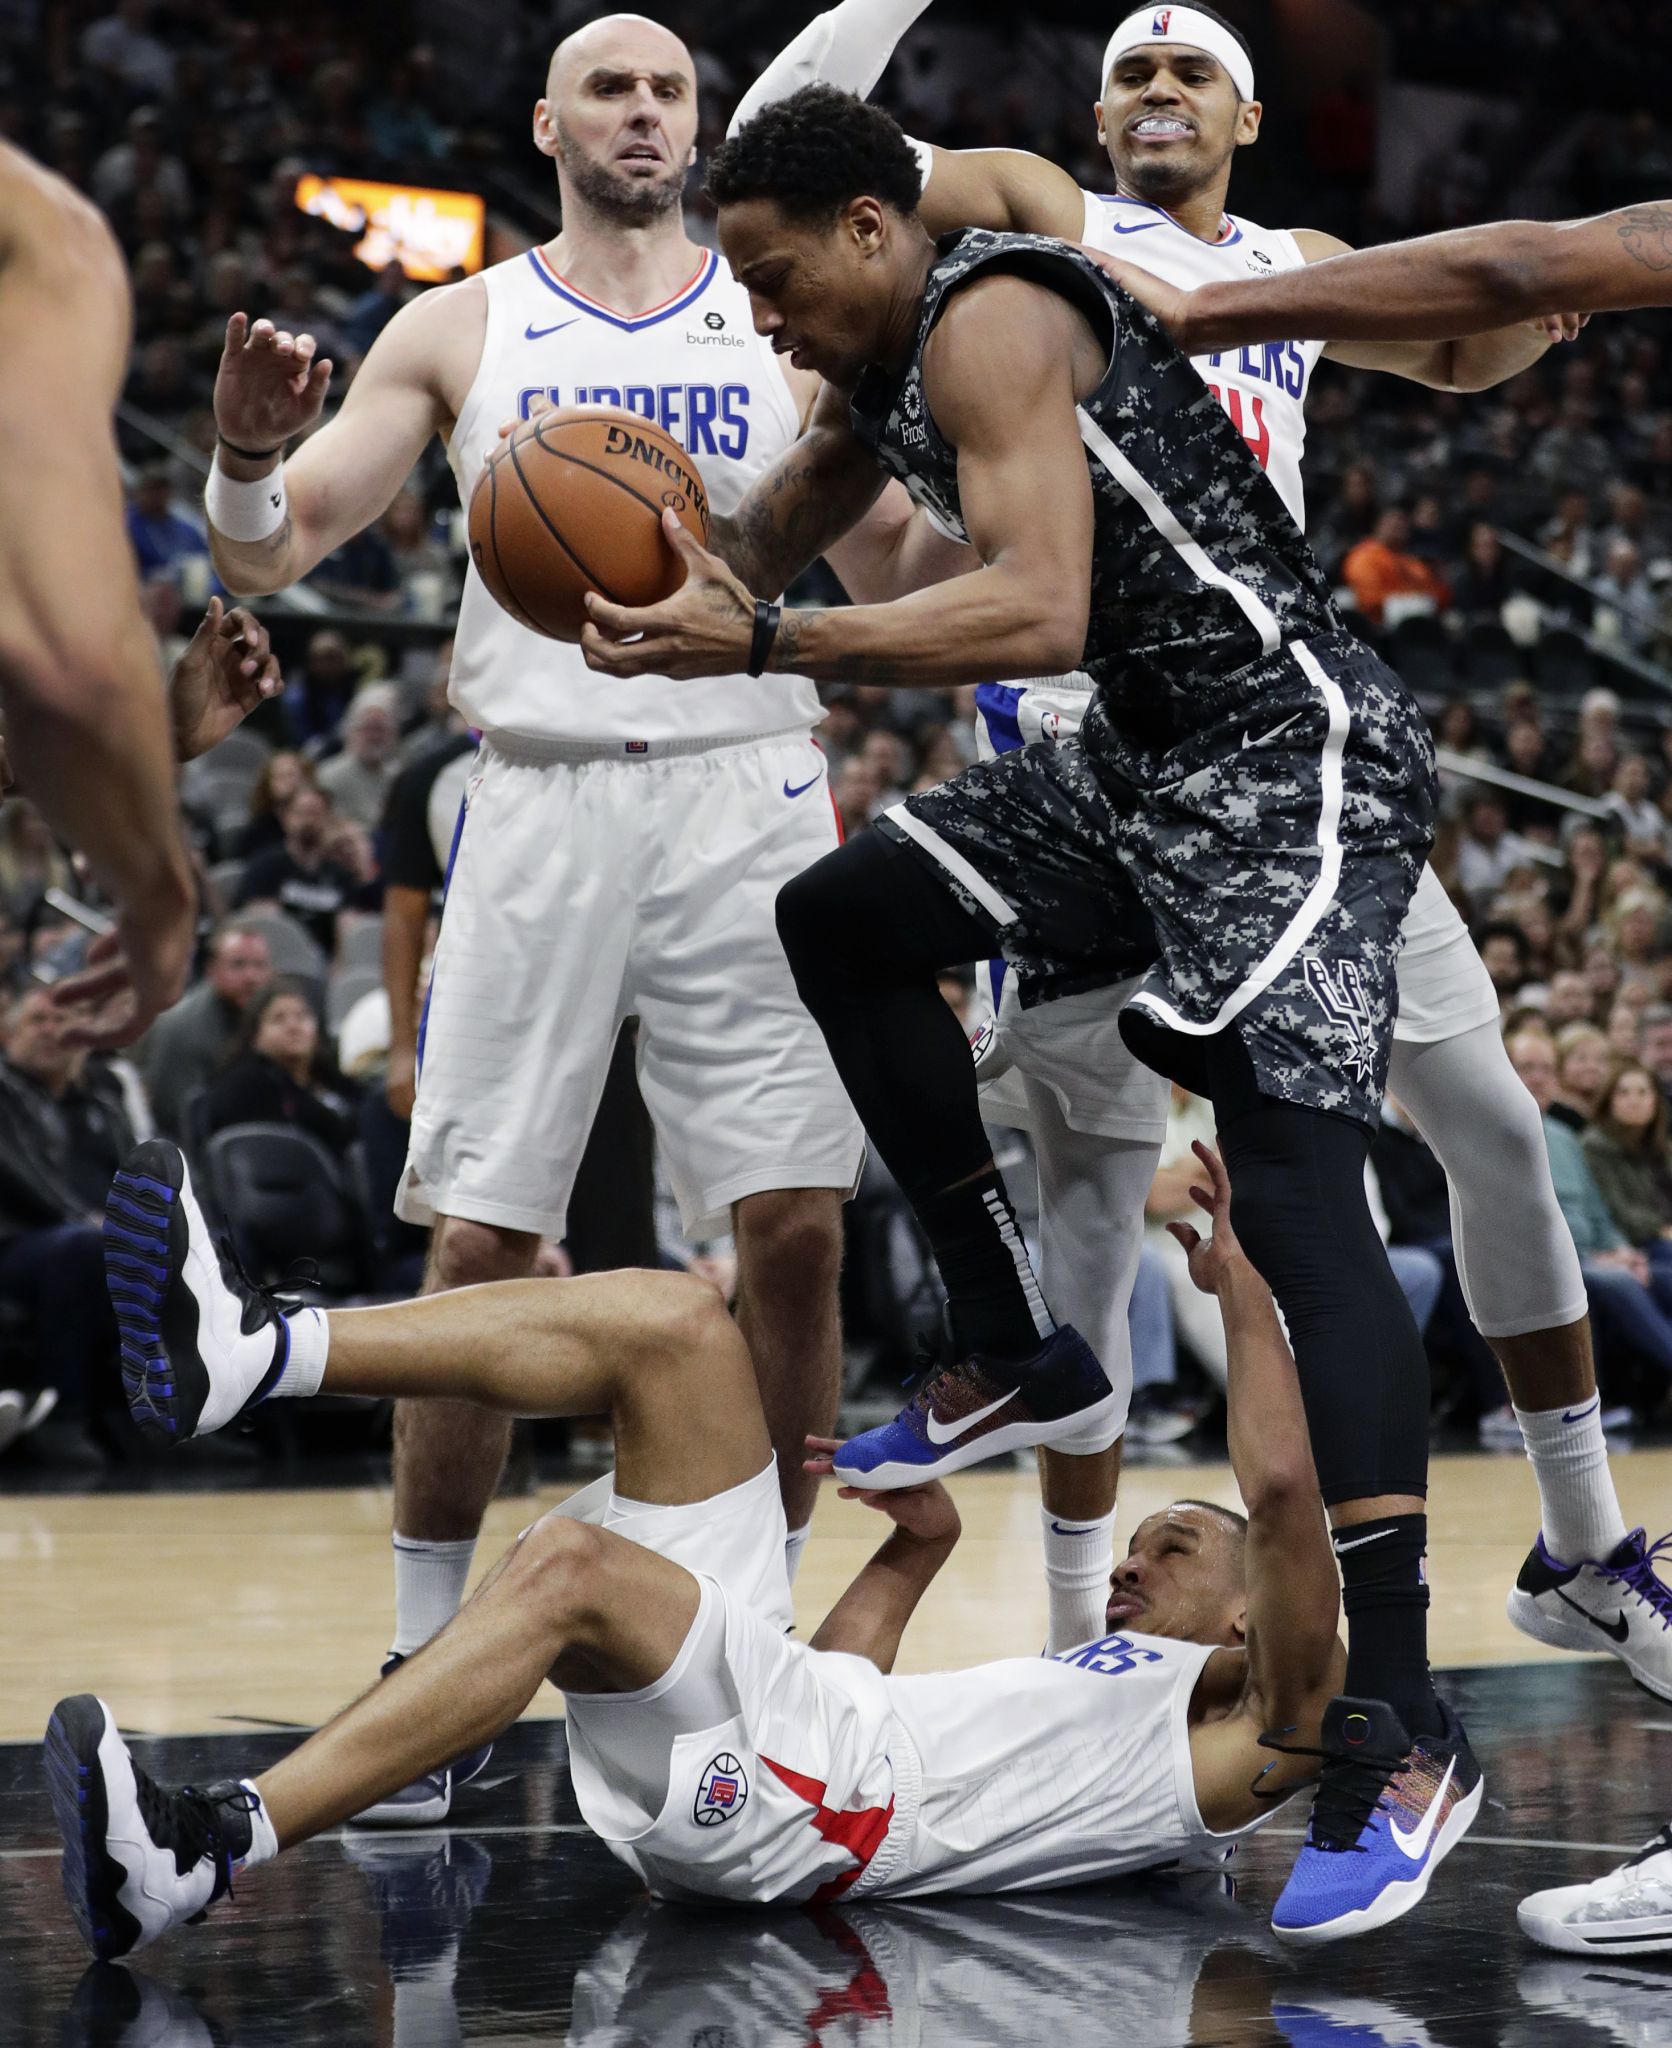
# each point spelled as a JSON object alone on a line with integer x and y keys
{"x": 1299, "y": 1208}
{"x": 867, "y": 929}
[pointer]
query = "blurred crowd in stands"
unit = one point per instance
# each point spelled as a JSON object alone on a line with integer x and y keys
{"x": 1510, "y": 550}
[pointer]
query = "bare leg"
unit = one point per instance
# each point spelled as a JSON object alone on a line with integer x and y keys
{"x": 448, "y": 1456}
{"x": 653, "y": 1350}
{"x": 566, "y": 1588}
{"x": 789, "y": 1257}
{"x": 1549, "y": 1368}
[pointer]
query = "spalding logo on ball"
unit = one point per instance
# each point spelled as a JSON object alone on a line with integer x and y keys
{"x": 572, "y": 501}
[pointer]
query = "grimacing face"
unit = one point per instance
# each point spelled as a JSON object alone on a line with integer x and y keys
{"x": 620, "y": 117}
{"x": 1182, "y": 1577}
{"x": 1170, "y": 120}
{"x": 819, "y": 291}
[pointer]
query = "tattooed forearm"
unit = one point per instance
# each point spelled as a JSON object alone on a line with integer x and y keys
{"x": 1646, "y": 234}
{"x": 815, "y": 492}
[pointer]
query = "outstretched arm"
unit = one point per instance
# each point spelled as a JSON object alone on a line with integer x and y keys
{"x": 1026, "y": 499}
{"x": 1466, "y": 282}
{"x": 1293, "y": 1588}
{"x": 871, "y": 1616}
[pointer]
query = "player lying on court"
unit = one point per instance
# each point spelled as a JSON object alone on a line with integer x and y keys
{"x": 715, "y": 1755}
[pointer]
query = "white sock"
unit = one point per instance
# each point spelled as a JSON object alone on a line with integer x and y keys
{"x": 310, "y": 1342}
{"x": 264, "y": 1844}
{"x": 1578, "y": 1507}
{"x": 429, "y": 1588}
{"x": 1079, "y": 1556}
{"x": 794, "y": 1544}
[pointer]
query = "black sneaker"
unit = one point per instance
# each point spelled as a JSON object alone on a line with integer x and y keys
{"x": 428, "y": 1800}
{"x": 200, "y": 1343}
{"x": 138, "y": 1858}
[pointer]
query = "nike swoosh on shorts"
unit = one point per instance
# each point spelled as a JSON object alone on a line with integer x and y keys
{"x": 802, "y": 786}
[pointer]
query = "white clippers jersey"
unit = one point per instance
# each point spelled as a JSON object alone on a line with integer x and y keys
{"x": 697, "y": 367}
{"x": 1264, "y": 388}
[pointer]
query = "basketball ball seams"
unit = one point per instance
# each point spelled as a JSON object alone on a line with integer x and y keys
{"x": 526, "y": 616}
{"x": 693, "y": 488}
{"x": 609, "y": 476}
{"x": 529, "y": 492}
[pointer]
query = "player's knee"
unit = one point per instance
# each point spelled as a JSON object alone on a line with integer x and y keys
{"x": 790, "y": 1241}
{"x": 683, "y": 1320}
{"x": 806, "y": 906}
{"x": 465, "y": 1253}
{"x": 560, "y": 1567}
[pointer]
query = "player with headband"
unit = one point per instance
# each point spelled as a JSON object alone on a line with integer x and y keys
{"x": 1175, "y": 102}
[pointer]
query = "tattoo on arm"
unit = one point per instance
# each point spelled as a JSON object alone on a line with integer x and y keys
{"x": 1646, "y": 234}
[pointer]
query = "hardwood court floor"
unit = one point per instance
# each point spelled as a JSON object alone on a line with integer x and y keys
{"x": 207, "y": 1612}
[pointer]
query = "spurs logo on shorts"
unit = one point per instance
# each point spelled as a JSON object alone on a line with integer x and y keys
{"x": 721, "y": 1794}
{"x": 1340, "y": 995}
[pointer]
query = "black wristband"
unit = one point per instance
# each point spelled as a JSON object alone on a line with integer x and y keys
{"x": 766, "y": 632}
{"x": 249, "y": 454}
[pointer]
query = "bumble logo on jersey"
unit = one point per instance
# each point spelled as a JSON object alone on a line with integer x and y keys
{"x": 706, "y": 419}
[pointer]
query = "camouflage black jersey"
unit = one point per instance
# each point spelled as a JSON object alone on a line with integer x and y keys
{"x": 1197, "y": 567}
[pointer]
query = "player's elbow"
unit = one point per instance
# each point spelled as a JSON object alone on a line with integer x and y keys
{"x": 1509, "y": 269}
{"x": 242, "y": 577}
{"x": 1284, "y": 1489}
{"x": 1053, "y": 614}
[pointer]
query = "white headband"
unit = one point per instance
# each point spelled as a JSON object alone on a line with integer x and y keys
{"x": 1180, "y": 25}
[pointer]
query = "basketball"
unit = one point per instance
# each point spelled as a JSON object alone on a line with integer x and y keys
{"x": 572, "y": 501}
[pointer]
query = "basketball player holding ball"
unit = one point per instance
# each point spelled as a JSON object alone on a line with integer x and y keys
{"x": 621, "y": 846}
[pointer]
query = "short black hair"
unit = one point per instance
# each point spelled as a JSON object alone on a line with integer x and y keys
{"x": 1502, "y": 928}
{"x": 815, "y": 153}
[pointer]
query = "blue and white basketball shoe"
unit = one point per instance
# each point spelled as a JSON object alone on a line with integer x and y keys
{"x": 428, "y": 1800}
{"x": 1388, "y": 1810}
{"x": 977, "y": 1407}
{"x": 200, "y": 1344}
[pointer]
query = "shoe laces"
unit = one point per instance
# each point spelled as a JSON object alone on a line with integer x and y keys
{"x": 187, "y": 1822}
{"x": 302, "y": 1273}
{"x": 1642, "y": 1578}
{"x": 1350, "y": 1790}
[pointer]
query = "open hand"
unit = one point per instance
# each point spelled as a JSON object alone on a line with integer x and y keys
{"x": 1165, "y": 301}
{"x": 228, "y": 668}
{"x": 925, "y": 1512}
{"x": 268, "y": 388}
{"x": 1210, "y": 1257}
{"x": 134, "y": 972}
{"x": 705, "y": 629}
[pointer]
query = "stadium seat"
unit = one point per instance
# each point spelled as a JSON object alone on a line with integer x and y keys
{"x": 288, "y": 1203}
{"x": 345, "y": 989}
{"x": 1490, "y": 656}
{"x": 360, "y": 942}
{"x": 1419, "y": 650}
{"x": 293, "y": 950}
{"x": 1563, "y": 663}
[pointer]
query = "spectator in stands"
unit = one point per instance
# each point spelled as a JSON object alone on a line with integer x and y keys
{"x": 858, "y": 793}
{"x": 358, "y": 779}
{"x": 163, "y": 541}
{"x": 278, "y": 1073}
{"x": 1572, "y": 453}
{"x": 1502, "y": 946}
{"x": 319, "y": 691}
{"x": 1634, "y": 927}
{"x": 1655, "y": 1025}
{"x": 1626, "y": 1150}
{"x": 1488, "y": 852}
{"x": 1458, "y": 729}
{"x": 299, "y": 876}
{"x": 361, "y": 573}
{"x": 440, "y": 723}
{"x": 425, "y": 570}
{"x": 282, "y": 774}
{"x": 51, "y": 1248}
{"x": 1583, "y": 1062}
{"x": 120, "y": 44}
{"x": 372, "y": 311}
{"x": 138, "y": 164}
{"x": 1383, "y": 566}
{"x": 1488, "y": 579}
{"x": 189, "y": 1045}
{"x": 1570, "y": 533}
{"x": 1623, "y": 1030}
{"x": 1616, "y": 1274}
{"x": 1631, "y": 609}
{"x": 1568, "y": 1000}
{"x": 1643, "y": 825}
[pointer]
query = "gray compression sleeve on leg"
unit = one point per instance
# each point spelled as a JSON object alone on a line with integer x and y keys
{"x": 1515, "y": 1254}
{"x": 847, "y": 47}
{"x": 1091, "y": 1230}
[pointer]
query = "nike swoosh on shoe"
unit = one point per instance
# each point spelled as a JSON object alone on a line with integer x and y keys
{"x": 1415, "y": 1844}
{"x": 939, "y": 1432}
{"x": 1619, "y": 1628}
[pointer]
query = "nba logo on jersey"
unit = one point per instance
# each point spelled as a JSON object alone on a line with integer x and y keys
{"x": 722, "y": 1793}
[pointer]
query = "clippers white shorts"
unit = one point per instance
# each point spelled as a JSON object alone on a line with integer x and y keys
{"x": 586, "y": 889}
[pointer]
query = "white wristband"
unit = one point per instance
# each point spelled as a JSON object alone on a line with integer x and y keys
{"x": 242, "y": 510}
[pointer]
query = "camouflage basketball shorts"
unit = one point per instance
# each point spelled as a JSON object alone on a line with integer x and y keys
{"x": 1256, "y": 872}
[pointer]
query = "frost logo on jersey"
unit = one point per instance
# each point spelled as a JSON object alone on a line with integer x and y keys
{"x": 1340, "y": 994}
{"x": 722, "y": 1794}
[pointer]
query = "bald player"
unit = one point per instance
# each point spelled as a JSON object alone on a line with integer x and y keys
{"x": 621, "y": 847}
{"x": 90, "y": 732}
